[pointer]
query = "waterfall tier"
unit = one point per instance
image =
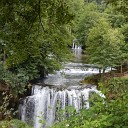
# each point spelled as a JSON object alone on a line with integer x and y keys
{"x": 45, "y": 102}
{"x": 75, "y": 44}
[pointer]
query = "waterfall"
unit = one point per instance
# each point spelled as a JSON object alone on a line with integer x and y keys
{"x": 75, "y": 44}
{"x": 64, "y": 90}
{"x": 45, "y": 103}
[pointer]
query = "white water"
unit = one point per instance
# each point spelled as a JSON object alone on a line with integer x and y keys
{"x": 45, "y": 102}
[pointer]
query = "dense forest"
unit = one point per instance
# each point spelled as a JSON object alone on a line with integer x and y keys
{"x": 35, "y": 39}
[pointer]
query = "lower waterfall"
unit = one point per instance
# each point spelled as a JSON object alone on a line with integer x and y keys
{"x": 45, "y": 102}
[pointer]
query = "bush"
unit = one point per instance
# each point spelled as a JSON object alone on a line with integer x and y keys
{"x": 13, "y": 124}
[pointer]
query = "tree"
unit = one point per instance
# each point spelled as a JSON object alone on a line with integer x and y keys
{"x": 90, "y": 15}
{"x": 124, "y": 30}
{"x": 25, "y": 22}
{"x": 34, "y": 39}
{"x": 77, "y": 9}
{"x": 120, "y": 6}
{"x": 104, "y": 45}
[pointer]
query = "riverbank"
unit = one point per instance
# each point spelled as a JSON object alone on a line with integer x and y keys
{"x": 96, "y": 78}
{"x": 112, "y": 84}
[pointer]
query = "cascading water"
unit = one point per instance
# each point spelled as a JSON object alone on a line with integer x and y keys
{"x": 45, "y": 102}
{"x": 76, "y": 45}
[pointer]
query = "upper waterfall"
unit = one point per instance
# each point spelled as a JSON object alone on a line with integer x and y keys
{"x": 75, "y": 44}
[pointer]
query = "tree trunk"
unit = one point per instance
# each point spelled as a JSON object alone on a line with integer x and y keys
{"x": 121, "y": 69}
{"x": 103, "y": 70}
{"x": 4, "y": 58}
{"x": 100, "y": 70}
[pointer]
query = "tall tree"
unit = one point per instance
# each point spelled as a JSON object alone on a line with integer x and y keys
{"x": 90, "y": 15}
{"x": 104, "y": 45}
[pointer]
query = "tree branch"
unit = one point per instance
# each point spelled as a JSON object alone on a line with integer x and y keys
{"x": 40, "y": 21}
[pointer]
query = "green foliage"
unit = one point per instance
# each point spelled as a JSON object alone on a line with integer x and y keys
{"x": 5, "y": 111}
{"x": 117, "y": 87}
{"x": 86, "y": 21}
{"x": 104, "y": 45}
{"x": 34, "y": 40}
{"x": 15, "y": 81}
{"x": 124, "y": 30}
{"x": 119, "y": 6}
{"x": 102, "y": 33}
{"x": 76, "y": 7}
{"x": 116, "y": 20}
{"x": 13, "y": 124}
